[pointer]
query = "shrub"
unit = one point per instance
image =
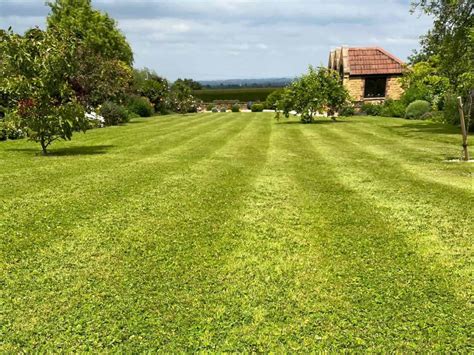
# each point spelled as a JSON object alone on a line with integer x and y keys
{"x": 393, "y": 108}
{"x": 257, "y": 107}
{"x": 235, "y": 108}
{"x": 95, "y": 120}
{"x": 417, "y": 109}
{"x": 132, "y": 115}
{"x": 435, "y": 116}
{"x": 113, "y": 114}
{"x": 9, "y": 128}
{"x": 347, "y": 110}
{"x": 451, "y": 111}
{"x": 371, "y": 109}
{"x": 140, "y": 105}
{"x": 223, "y": 109}
{"x": 215, "y": 109}
{"x": 209, "y": 107}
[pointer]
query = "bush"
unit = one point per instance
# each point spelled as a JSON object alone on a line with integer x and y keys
{"x": 113, "y": 114}
{"x": 417, "y": 109}
{"x": 140, "y": 105}
{"x": 435, "y": 116}
{"x": 371, "y": 109}
{"x": 223, "y": 109}
{"x": 393, "y": 108}
{"x": 347, "y": 110}
{"x": 235, "y": 108}
{"x": 215, "y": 109}
{"x": 9, "y": 128}
{"x": 451, "y": 111}
{"x": 209, "y": 107}
{"x": 257, "y": 107}
{"x": 132, "y": 115}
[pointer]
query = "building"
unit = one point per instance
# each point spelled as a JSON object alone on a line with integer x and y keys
{"x": 370, "y": 74}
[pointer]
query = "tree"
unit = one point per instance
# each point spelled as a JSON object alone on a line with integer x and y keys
{"x": 181, "y": 98}
{"x": 103, "y": 56}
{"x": 148, "y": 84}
{"x": 35, "y": 72}
{"x": 451, "y": 40}
{"x": 193, "y": 85}
{"x": 315, "y": 92}
{"x": 95, "y": 29}
{"x": 423, "y": 81}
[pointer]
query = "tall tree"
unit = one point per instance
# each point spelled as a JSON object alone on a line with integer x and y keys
{"x": 451, "y": 38}
{"x": 97, "y": 30}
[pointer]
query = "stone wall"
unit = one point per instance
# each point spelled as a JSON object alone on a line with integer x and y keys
{"x": 394, "y": 88}
{"x": 355, "y": 85}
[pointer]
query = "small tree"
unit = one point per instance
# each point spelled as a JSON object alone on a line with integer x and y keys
{"x": 34, "y": 71}
{"x": 319, "y": 90}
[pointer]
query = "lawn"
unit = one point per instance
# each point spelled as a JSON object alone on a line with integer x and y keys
{"x": 232, "y": 232}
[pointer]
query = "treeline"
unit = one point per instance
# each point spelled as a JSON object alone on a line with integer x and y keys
{"x": 75, "y": 75}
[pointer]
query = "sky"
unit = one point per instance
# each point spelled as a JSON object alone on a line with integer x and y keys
{"x": 229, "y": 39}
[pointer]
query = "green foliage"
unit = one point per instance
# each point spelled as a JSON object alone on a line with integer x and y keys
{"x": 113, "y": 113}
{"x": 241, "y": 95}
{"x": 273, "y": 100}
{"x": 423, "y": 82}
{"x": 235, "y": 108}
{"x": 148, "y": 84}
{"x": 181, "y": 98}
{"x": 140, "y": 105}
{"x": 223, "y": 109}
{"x": 209, "y": 107}
{"x": 257, "y": 107}
{"x": 193, "y": 85}
{"x": 215, "y": 109}
{"x": 103, "y": 58}
{"x": 35, "y": 72}
{"x": 393, "y": 108}
{"x": 97, "y": 31}
{"x": 10, "y": 128}
{"x": 451, "y": 110}
{"x": 347, "y": 110}
{"x": 371, "y": 109}
{"x": 417, "y": 109}
{"x": 317, "y": 91}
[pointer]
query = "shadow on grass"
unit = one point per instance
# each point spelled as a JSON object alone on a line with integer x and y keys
{"x": 69, "y": 151}
{"x": 437, "y": 128}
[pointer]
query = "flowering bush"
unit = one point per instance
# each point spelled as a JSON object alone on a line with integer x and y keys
{"x": 95, "y": 119}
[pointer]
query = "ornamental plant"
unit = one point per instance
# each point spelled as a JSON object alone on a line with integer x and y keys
{"x": 34, "y": 72}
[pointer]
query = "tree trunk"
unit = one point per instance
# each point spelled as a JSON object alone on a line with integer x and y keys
{"x": 463, "y": 130}
{"x": 44, "y": 146}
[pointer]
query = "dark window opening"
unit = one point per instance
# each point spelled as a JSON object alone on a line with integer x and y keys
{"x": 375, "y": 87}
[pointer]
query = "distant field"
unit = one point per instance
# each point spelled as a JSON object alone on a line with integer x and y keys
{"x": 232, "y": 232}
{"x": 242, "y": 95}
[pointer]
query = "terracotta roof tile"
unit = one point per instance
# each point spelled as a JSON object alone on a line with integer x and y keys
{"x": 366, "y": 61}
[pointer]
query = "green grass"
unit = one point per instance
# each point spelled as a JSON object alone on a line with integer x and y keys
{"x": 231, "y": 232}
{"x": 241, "y": 95}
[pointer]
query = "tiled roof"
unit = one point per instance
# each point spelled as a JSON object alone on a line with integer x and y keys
{"x": 366, "y": 61}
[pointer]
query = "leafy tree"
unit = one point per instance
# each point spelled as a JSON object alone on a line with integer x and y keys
{"x": 273, "y": 99}
{"x": 451, "y": 40}
{"x": 181, "y": 98}
{"x": 317, "y": 91}
{"x": 96, "y": 30}
{"x": 423, "y": 81}
{"x": 35, "y": 72}
{"x": 148, "y": 84}
{"x": 194, "y": 85}
{"x": 103, "y": 56}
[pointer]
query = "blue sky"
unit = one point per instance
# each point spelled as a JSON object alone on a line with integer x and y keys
{"x": 222, "y": 39}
